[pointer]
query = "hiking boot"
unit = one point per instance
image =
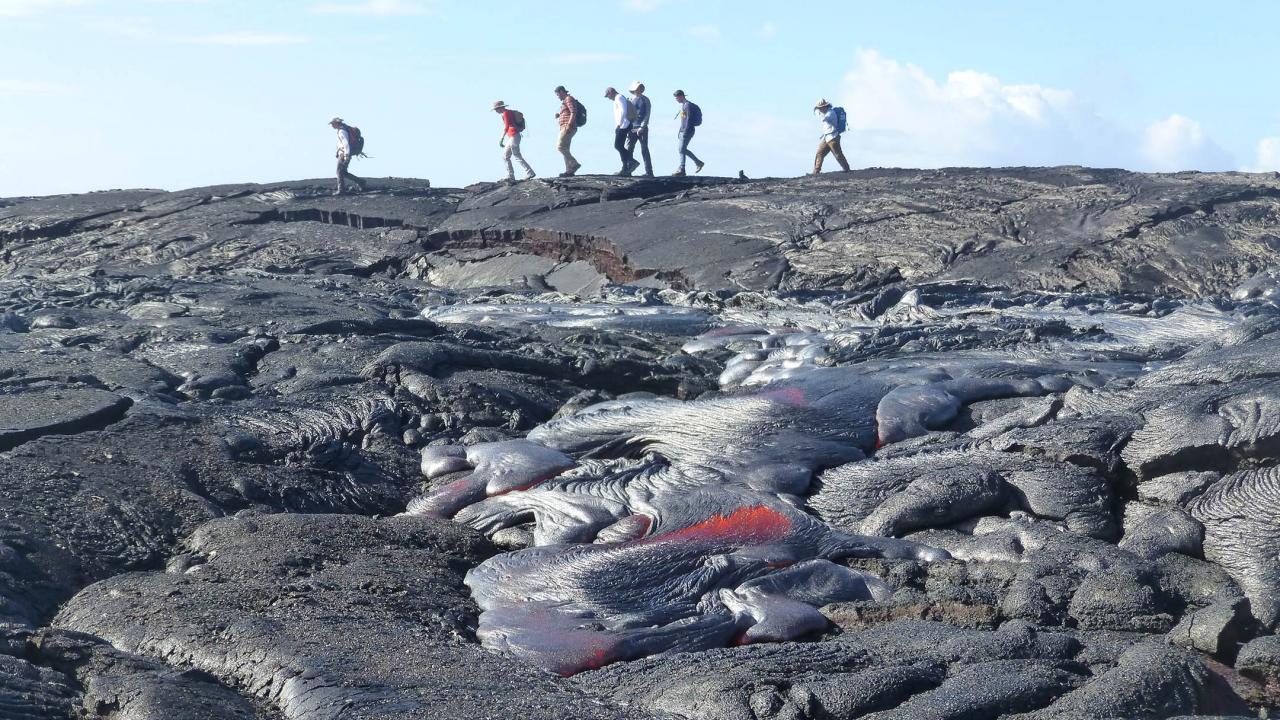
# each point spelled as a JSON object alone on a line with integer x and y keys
{"x": 648, "y": 173}
{"x": 698, "y": 169}
{"x": 509, "y": 181}
{"x": 573, "y": 170}
{"x": 531, "y": 175}
{"x": 678, "y": 173}
{"x": 631, "y": 166}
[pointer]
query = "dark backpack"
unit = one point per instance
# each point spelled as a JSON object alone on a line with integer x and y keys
{"x": 695, "y": 115}
{"x": 355, "y": 140}
{"x": 517, "y": 120}
{"x": 579, "y": 111}
{"x": 842, "y": 120}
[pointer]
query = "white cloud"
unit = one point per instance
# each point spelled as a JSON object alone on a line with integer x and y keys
{"x": 373, "y": 7}
{"x": 1179, "y": 143}
{"x": 246, "y": 38}
{"x": 20, "y": 8}
{"x": 903, "y": 117}
{"x": 1268, "y": 159}
{"x": 642, "y": 6}
{"x": 705, "y": 32}
{"x": 587, "y": 58}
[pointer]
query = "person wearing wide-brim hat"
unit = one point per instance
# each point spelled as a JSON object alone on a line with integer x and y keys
{"x": 831, "y": 129}
{"x": 512, "y": 129}
{"x": 640, "y": 127}
{"x": 344, "y": 156}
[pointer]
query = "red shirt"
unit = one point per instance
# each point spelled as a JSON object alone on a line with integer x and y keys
{"x": 509, "y": 123}
{"x": 568, "y": 113}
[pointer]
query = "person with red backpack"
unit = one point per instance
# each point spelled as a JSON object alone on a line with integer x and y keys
{"x": 833, "y": 125}
{"x": 512, "y": 128}
{"x": 350, "y": 144}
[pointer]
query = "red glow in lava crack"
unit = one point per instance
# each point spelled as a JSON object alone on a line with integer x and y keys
{"x": 787, "y": 396}
{"x": 748, "y": 525}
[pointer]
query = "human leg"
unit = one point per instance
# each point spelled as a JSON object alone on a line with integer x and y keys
{"x": 823, "y": 149}
{"x": 571, "y": 164}
{"x": 513, "y": 142}
{"x": 839, "y": 153}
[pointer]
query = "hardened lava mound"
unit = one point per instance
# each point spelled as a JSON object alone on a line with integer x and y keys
{"x": 956, "y": 444}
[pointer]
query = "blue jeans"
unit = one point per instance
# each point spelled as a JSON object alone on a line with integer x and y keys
{"x": 685, "y": 137}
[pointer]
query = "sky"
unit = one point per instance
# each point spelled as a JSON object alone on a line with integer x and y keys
{"x": 104, "y": 94}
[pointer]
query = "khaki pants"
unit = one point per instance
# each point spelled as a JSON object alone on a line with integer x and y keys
{"x": 829, "y": 146}
{"x": 566, "y": 138}
{"x": 512, "y": 149}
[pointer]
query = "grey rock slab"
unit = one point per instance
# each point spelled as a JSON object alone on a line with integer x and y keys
{"x": 1218, "y": 630}
{"x": 25, "y": 416}
{"x": 370, "y": 615}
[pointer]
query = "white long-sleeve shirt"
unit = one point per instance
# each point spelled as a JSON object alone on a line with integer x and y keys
{"x": 621, "y": 112}
{"x": 829, "y": 125}
{"x": 344, "y": 141}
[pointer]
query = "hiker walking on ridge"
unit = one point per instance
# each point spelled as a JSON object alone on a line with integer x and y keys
{"x": 640, "y": 126}
{"x": 571, "y": 116}
{"x": 833, "y": 125}
{"x": 623, "y": 114}
{"x": 350, "y": 144}
{"x": 690, "y": 118}
{"x": 512, "y": 128}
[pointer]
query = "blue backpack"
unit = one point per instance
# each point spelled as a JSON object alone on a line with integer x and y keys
{"x": 695, "y": 115}
{"x": 842, "y": 120}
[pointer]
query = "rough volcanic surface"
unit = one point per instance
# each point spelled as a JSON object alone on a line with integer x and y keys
{"x": 885, "y": 444}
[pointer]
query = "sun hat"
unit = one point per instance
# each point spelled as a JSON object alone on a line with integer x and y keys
{"x": 336, "y": 121}
{"x": 822, "y": 102}
{"x": 560, "y": 88}
{"x": 498, "y": 104}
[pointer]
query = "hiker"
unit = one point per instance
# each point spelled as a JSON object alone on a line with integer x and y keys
{"x": 623, "y": 113}
{"x": 690, "y": 118}
{"x": 349, "y": 145}
{"x": 640, "y": 126}
{"x": 833, "y": 124}
{"x": 512, "y": 127}
{"x": 571, "y": 116}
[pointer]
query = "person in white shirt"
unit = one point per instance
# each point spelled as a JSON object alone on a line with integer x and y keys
{"x": 830, "y": 142}
{"x": 344, "y": 156}
{"x": 623, "y": 115}
{"x": 640, "y": 126}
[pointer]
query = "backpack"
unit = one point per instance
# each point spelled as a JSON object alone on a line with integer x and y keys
{"x": 695, "y": 115}
{"x": 580, "y": 112}
{"x": 842, "y": 120}
{"x": 517, "y": 120}
{"x": 355, "y": 140}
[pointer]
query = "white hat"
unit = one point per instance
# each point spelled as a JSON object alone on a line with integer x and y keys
{"x": 636, "y": 85}
{"x": 822, "y": 102}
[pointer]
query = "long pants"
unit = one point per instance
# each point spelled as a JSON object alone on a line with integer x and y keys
{"x": 512, "y": 149}
{"x": 640, "y": 135}
{"x": 344, "y": 174}
{"x": 620, "y": 144}
{"x": 685, "y": 137}
{"x": 571, "y": 164}
{"x": 829, "y": 146}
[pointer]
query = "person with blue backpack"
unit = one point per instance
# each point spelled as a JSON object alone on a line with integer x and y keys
{"x": 350, "y": 145}
{"x": 690, "y": 118}
{"x": 834, "y": 123}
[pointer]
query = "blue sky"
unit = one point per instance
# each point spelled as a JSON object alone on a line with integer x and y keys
{"x": 100, "y": 94}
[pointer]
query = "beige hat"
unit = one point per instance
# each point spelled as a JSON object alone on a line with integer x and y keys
{"x": 498, "y": 104}
{"x": 822, "y": 102}
{"x": 637, "y": 85}
{"x": 336, "y": 121}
